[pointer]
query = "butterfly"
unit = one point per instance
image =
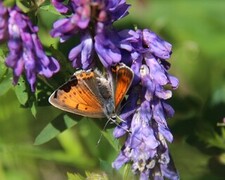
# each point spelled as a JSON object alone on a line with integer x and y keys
{"x": 88, "y": 93}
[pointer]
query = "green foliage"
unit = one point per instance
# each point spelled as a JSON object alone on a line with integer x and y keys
{"x": 21, "y": 91}
{"x": 5, "y": 74}
{"x": 54, "y": 128}
{"x": 89, "y": 175}
{"x": 196, "y": 31}
{"x": 214, "y": 139}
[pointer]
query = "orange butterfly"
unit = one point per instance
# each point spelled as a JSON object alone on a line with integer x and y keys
{"x": 90, "y": 94}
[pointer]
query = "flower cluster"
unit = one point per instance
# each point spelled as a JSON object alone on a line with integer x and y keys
{"x": 93, "y": 21}
{"x": 26, "y": 53}
{"x": 145, "y": 117}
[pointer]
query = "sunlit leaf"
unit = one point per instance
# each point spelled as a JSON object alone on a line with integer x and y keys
{"x": 21, "y": 91}
{"x": 34, "y": 109}
{"x": 5, "y": 78}
{"x": 96, "y": 176}
{"x": 127, "y": 172}
{"x": 222, "y": 158}
{"x": 9, "y": 2}
{"x": 55, "y": 127}
{"x": 89, "y": 175}
{"x": 5, "y": 84}
{"x": 50, "y": 8}
{"x": 111, "y": 139}
{"x": 217, "y": 140}
{"x": 5, "y": 73}
{"x": 25, "y": 5}
{"x": 75, "y": 176}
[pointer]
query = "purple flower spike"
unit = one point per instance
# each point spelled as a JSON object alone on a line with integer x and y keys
{"x": 26, "y": 53}
{"x": 145, "y": 147}
{"x": 147, "y": 150}
{"x": 3, "y": 23}
{"x": 94, "y": 18}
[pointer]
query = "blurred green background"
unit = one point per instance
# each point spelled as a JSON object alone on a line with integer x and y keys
{"x": 196, "y": 29}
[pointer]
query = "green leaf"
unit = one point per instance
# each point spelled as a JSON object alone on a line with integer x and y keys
{"x": 127, "y": 172}
{"x": 5, "y": 73}
{"x": 96, "y": 176}
{"x": 9, "y": 2}
{"x": 34, "y": 109}
{"x": 219, "y": 96}
{"x": 55, "y": 127}
{"x": 50, "y": 9}
{"x": 222, "y": 158}
{"x": 75, "y": 176}
{"x": 21, "y": 91}
{"x": 217, "y": 140}
{"x": 90, "y": 175}
{"x": 106, "y": 166}
{"x": 5, "y": 84}
{"x": 111, "y": 139}
{"x": 28, "y": 5}
{"x": 5, "y": 79}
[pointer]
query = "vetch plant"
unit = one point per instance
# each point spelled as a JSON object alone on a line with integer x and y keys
{"x": 145, "y": 112}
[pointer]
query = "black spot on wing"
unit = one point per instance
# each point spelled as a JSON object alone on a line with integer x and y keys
{"x": 67, "y": 86}
{"x": 72, "y": 78}
{"x": 77, "y": 107}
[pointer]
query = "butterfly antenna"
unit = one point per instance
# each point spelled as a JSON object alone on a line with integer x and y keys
{"x": 100, "y": 138}
{"x": 113, "y": 120}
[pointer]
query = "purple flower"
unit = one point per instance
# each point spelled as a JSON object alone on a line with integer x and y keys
{"x": 82, "y": 54}
{"x": 145, "y": 147}
{"x": 3, "y": 22}
{"x": 60, "y": 6}
{"x": 93, "y": 21}
{"x": 106, "y": 46}
{"x": 26, "y": 53}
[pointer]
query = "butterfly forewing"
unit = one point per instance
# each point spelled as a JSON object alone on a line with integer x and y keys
{"x": 77, "y": 97}
{"x": 123, "y": 79}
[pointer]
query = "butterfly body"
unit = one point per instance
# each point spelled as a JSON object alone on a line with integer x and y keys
{"x": 89, "y": 93}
